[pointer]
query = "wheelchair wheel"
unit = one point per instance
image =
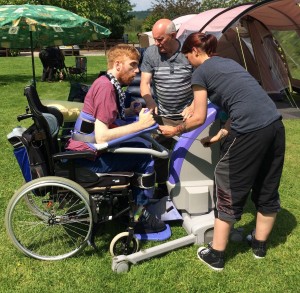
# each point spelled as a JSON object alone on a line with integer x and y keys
{"x": 118, "y": 245}
{"x": 31, "y": 203}
{"x": 49, "y": 218}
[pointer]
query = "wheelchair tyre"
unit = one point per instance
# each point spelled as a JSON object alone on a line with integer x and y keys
{"x": 49, "y": 218}
{"x": 118, "y": 245}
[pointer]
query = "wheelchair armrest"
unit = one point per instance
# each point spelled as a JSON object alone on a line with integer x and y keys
{"x": 185, "y": 141}
{"x": 71, "y": 155}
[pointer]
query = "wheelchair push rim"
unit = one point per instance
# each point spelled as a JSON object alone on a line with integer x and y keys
{"x": 49, "y": 218}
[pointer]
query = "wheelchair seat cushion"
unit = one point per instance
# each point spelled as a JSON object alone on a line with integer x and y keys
{"x": 88, "y": 178}
{"x": 70, "y": 110}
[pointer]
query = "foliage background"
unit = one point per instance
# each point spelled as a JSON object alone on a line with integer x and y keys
{"x": 112, "y": 14}
{"x": 118, "y": 17}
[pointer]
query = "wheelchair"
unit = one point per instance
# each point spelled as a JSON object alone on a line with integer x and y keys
{"x": 55, "y": 214}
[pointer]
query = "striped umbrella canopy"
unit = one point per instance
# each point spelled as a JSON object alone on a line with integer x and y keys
{"x": 35, "y": 26}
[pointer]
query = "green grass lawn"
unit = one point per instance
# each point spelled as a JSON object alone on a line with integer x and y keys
{"x": 177, "y": 271}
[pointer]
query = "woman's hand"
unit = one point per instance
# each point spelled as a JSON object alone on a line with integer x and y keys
{"x": 208, "y": 140}
{"x": 187, "y": 112}
{"x": 168, "y": 131}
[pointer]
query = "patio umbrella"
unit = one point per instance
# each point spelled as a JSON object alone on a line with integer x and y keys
{"x": 35, "y": 26}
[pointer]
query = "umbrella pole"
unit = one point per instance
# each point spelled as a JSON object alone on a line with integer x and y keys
{"x": 32, "y": 59}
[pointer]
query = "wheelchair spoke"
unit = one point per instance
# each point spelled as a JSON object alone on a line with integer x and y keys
{"x": 49, "y": 219}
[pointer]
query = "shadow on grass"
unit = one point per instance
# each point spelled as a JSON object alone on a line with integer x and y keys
{"x": 27, "y": 78}
{"x": 106, "y": 232}
{"x": 8, "y": 79}
{"x": 285, "y": 223}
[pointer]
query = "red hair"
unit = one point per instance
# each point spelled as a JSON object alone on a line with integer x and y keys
{"x": 205, "y": 42}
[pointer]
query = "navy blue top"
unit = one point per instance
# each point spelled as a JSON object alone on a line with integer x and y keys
{"x": 236, "y": 92}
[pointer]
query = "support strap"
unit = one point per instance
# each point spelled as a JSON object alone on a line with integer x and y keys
{"x": 145, "y": 181}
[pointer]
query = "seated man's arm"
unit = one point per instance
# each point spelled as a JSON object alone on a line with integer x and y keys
{"x": 104, "y": 134}
{"x": 145, "y": 86}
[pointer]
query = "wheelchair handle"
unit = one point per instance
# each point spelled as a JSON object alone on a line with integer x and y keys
{"x": 23, "y": 117}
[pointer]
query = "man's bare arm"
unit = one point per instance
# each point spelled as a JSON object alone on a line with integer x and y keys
{"x": 145, "y": 87}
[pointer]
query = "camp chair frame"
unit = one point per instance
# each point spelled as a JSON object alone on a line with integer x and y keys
{"x": 79, "y": 71}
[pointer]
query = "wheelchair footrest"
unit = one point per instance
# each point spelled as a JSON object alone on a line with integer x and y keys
{"x": 160, "y": 236}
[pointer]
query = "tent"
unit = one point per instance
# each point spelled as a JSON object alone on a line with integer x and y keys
{"x": 246, "y": 34}
{"x": 146, "y": 39}
{"x": 197, "y": 22}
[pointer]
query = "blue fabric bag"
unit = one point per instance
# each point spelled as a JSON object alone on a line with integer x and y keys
{"x": 22, "y": 158}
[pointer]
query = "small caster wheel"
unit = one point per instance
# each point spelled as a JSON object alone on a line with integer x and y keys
{"x": 119, "y": 246}
{"x": 121, "y": 267}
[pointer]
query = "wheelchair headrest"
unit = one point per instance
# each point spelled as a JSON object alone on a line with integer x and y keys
{"x": 52, "y": 123}
{"x": 37, "y": 107}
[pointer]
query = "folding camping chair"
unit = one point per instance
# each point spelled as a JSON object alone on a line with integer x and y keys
{"x": 79, "y": 71}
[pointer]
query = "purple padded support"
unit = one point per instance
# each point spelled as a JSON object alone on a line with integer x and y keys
{"x": 116, "y": 141}
{"x": 159, "y": 236}
{"x": 184, "y": 143}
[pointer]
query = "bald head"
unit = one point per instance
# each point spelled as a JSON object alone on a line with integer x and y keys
{"x": 163, "y": 26}
{"x": 164, "y": 35}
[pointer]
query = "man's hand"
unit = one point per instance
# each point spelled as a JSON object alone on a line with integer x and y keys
{"x": 135, "y": 107}
{"x": 146, "y": 118}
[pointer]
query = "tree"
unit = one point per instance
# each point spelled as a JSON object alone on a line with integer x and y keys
{"x": 210, "y": 4}
{"x": 113, "y": 14}
{"x": 170, "y": 9}
{"x": 175, "y": 8}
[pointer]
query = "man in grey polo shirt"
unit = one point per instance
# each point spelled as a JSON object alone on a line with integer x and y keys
{"x": 169, "y": 72}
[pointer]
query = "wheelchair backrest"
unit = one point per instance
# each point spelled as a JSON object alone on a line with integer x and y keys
{"x": 41, "y": 138}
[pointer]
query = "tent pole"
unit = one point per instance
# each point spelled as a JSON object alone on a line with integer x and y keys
{"x": 239, "y": 37}
{"x": 32, "y": 59}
